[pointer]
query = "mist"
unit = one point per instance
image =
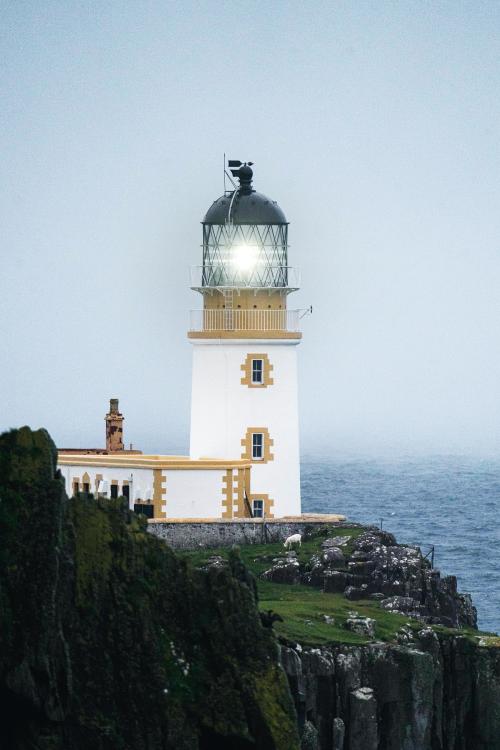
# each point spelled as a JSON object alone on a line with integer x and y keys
{"x": 376, "y": 128}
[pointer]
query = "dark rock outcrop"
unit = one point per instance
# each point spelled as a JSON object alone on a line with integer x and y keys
{"x": 403, "y": 574}
{"x": 440, "y": 692}
{"x": 405, "y": 605}
{"x": 110, "y": 641}
{"x": 364, "y": 626}
{"x": 379, "y": 568}
{"x": 268, "y": 618}
{"x": 283, "y": 571}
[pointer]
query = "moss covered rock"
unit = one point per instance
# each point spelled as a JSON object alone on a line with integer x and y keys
{"x": 108, "y": 640}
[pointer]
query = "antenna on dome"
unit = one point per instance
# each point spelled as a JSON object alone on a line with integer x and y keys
{"x": 226, "y": 174}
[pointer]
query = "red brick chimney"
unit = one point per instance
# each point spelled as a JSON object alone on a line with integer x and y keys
{"x": 114, "y": 427}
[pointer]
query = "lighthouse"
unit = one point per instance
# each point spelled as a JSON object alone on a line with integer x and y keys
{"x": 244, "y": 401}
{"x": 244, "y": 462}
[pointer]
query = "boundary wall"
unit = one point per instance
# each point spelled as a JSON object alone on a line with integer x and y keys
{"x": 192, "y": 534}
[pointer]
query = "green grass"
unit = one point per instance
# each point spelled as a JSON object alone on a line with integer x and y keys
{"x": 259, "y": 557}
{"x": 303, "y": 607}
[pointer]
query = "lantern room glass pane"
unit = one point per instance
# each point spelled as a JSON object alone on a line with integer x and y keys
{"x": 245, "y": 255}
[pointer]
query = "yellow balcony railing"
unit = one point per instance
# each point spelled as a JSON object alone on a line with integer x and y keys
{"x": 244, "y": 320}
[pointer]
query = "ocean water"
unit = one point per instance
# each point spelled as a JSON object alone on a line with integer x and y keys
{"x": 452, "y": 503}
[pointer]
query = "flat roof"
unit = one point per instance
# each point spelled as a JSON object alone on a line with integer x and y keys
{"x": 148, "y": 461}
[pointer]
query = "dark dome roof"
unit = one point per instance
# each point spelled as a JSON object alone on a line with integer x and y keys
{"x": 248, "y": 208}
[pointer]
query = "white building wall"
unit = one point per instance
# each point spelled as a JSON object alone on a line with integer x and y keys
{"x": 190, "y": 493}
{"x": 194, "y": 493}
{"x": 141, "y": 480}
{"x": 222, "y": 409}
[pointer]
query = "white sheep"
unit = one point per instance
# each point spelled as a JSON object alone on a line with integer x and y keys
{"x": 294, "y": 539}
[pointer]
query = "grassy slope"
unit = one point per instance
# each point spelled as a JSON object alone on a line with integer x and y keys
{"x": 303, "y": 607}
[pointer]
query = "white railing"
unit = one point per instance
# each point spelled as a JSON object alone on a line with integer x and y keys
{"x": 229, "y": 276}
{"x": 244, "y": 320}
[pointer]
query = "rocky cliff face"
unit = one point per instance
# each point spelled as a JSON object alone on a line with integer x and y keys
{"x": 438, "y": 692}
{"x": 109, "y": 641}
{"x": 436, "y": 688}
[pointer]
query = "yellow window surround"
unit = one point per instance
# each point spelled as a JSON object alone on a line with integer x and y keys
{"x": 267, "y": 369}
{"x": 267, "y": 443}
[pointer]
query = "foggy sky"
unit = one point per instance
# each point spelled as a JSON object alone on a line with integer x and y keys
{"x": 376, "y": 128}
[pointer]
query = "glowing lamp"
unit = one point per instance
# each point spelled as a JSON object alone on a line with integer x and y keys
{"x": 245, "y": 257}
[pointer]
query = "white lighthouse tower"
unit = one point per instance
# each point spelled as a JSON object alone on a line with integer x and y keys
{"x": 244, "y": 390}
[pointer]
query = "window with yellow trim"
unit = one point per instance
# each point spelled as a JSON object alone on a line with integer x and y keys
{"x": 257, "y": 446}
{"x": 257, "y": 371}
{"x": 258, "y": 508}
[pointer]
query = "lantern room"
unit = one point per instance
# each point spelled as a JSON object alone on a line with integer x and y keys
{"x": 245, "y": 261}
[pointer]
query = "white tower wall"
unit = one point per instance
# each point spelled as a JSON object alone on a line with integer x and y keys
{"x": 223, "y": 410}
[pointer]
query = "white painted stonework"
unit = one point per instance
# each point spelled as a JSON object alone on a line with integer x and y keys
{"x": 141, "y": 480}
{"x": 194, "y": 494}
{"x": 222, "y": 409}
{"x": 189, "y": 492}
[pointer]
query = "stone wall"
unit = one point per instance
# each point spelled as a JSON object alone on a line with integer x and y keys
{"x": 218, "y": 533}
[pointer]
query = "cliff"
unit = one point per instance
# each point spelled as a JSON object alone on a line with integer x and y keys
{"x": 420, "y": 677}
{"x": 109, "y": 640}
{"x": 436, "y": 692}
{"x": 372, "y": 663}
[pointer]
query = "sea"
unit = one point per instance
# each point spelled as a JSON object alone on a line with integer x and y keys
{"x": 449, "y": 503}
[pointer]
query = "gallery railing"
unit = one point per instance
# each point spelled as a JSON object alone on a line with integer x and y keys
{"x": 244, "y": 320}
